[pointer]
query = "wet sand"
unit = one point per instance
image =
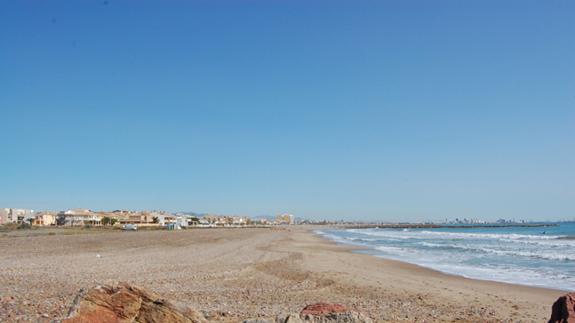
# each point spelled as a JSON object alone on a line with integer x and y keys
{"x": 234, "y": 274}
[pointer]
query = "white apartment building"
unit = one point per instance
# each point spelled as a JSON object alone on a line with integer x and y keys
{"x": 3, "y": 216}
{"x": 10, "y": 215}
{"x": 79, "y": 217}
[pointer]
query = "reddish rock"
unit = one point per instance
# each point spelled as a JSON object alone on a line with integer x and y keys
{"x": 126, "y": 304}
{"x": 563, "y": 310}
{"x": 323, "y": 308}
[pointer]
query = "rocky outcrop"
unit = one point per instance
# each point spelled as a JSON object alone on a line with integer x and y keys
{"x": 125, "y": 304}
{"x": 563, "y": 310}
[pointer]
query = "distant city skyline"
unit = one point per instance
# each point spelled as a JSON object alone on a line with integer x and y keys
{"x": 370, "y": 110}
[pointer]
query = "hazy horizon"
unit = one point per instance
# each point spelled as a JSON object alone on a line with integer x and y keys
{"x": 370, "y": 110}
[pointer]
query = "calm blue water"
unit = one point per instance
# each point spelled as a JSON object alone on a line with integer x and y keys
{"x": 542, "y": 256}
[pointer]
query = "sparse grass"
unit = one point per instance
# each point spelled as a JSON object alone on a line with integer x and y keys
{"x": 15, "y": 226}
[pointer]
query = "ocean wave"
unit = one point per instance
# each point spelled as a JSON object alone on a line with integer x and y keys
{"x": 531, "y": 259}
{"x": 361, "y": 239}
{"x": 542, "y": 254}
{"x": 514, "y": 275}
{"x": 554, "y": 243}
{"x": 330, "y": 236}
{"x": 510, "y": 236}
{"x": 426, "y": 234}
{"x": 509, "y": 274}
{"x": 394, "y": 250}
{"x": 382, "y": 234}
{"x": 538, "y": 254}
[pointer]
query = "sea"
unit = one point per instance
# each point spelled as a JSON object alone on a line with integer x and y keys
{"x": 533, "y": 256}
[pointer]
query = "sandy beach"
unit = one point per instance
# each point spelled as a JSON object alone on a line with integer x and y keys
{"x": 235, "y": 274}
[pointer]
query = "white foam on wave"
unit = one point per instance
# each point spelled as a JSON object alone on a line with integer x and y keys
{"x": 510, "y": 236}
{"x": 453, "y": 235}
{"x": 535, "y": 260}
{"x": 516, "y": 275}
{"x": 551, "y": 241}
{"x": 508, "y": 274}
{"x": 331, "y": 236}
{"x": 560, "y": 243}
{"x": 394, "y": 250}
{"x": 342, "y": 239}
{"x": 498, "y": 273}
{"x": 533, "y": 253}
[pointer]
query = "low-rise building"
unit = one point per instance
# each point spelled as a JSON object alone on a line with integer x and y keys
{"x": 79, "y": 217}
{"x": 3, "y": 216}
{"x": 224, "y": 220}
{"x": 45, "y": 218}
{"x": 260, "y": 221}
{"x": 213, "y": 219}
{"x": 139, "y": 218}
{"x": 165, "y": 218}
{"x": 10, "y": 215}
{"x": 285, "y": 218}
{"x": 181, "y": 221}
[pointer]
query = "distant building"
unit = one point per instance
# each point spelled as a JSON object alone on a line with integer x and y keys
{"x": 166, "y": 218}
{"x": 285, "y": 218}
{"x": 240, "y": 220}
{"x": 223, "y": 220}
{"x": 260, "y": 221}
{"x": 216, "y": 220}
{"x": 139, "y": 218}
{"x": 181, "y": 221}
{"x": 203, "y": 222}
{"x": 10, "y": 215}
{"x": 45, "y": 218}
{"x": 3, "y": 216}
{"x": 79, "y": 217}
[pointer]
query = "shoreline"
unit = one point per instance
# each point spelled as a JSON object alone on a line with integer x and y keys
{"x": 507, "y": 301}
{"x": 351, "y": 247}
{"x": 439, "y": 226}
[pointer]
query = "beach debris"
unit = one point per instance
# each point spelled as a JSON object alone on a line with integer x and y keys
{"x": 325, "y": 312}
{"x": 259, "y": 320}
{"x": 563, "y": 310}
{"x": 323, "y": 309}
{"x": 292, "y": 318}
{"x": 317, "y": 313}
{"x": 124, "y": 303}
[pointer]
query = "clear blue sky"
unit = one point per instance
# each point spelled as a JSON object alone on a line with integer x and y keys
{"x": 372, "y": 110}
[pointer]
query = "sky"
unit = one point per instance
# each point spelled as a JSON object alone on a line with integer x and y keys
{"x": 357, "y": 110}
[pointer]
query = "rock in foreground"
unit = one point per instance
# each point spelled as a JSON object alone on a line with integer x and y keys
{"x": 129, "y": 304}
{"x": 125, "y": 304}
{"x": 563, "y": 310}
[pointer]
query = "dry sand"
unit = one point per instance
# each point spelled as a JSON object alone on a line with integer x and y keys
{"x": 234, "y": 274}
